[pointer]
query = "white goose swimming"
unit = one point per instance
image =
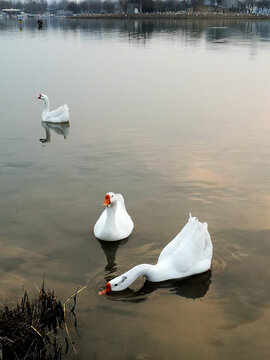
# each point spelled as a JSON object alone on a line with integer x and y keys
{"x": 114, "y": 223}
{"x": 57, "y": 116}
{"x": 189, "y": 253}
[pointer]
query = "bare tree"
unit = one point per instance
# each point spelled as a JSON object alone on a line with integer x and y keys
{"x": 249, "y": 5}
{"x": 216, "y": 4}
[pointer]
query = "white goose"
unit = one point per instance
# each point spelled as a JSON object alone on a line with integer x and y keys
{"x": 189, "y": 253}
{"x": 59, "y": 115}
{"x": 114, "y": 223}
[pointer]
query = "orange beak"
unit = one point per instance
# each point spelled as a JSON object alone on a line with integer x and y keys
{"x": 39, "y": 97}
{"x": 107, "y": 200}
{"x": 107, "y": 289}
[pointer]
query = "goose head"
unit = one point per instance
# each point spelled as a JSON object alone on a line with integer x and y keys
{"x": 110, "y": 199}
{"x": 42, "y": 97}
{"x": 118, "y": 284}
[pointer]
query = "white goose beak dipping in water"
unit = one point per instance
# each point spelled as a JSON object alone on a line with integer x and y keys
{"x": 57, "y": 116}
{"x": 189, "y": 253}
{"x": 114, "y": 223}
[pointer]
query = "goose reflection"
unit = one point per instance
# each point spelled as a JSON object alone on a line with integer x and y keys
{"x": 110, "y": 249}
{"x": 193, "y": 287}
{"x": 60, "y": 129}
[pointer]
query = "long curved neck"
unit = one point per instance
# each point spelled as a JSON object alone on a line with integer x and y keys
{"x": 142, "y": 269}
{"x": 46, "y": 104}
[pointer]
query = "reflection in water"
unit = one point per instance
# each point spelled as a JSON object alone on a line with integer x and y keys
{"x": 144, "y": 30}
{"x": 110, "y": 248}
{"x": 217, "y": 33}
{"x": 243, "y": 272}
{"x": 40, "y": 24}
{"x": 60, "y": 129}
{"x": 193, "y": 287}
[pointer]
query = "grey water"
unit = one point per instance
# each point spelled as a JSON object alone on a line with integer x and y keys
{"x": 175, "y": 115}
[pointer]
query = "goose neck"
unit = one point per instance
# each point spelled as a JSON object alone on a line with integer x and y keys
{"x": 139, "y": 270}
{"x": 110, "y": 215}
{"x": 46, "y": 104}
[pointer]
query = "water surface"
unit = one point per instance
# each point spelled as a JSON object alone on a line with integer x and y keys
{"x": 175, "y": 116}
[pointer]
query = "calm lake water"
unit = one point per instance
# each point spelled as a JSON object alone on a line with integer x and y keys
{"x": 175, "y": 115}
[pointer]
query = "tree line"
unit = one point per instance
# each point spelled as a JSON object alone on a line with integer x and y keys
{"x": 107, "y": 6}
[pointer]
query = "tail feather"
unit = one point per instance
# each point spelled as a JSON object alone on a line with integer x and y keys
{"x": 192, "y": 218}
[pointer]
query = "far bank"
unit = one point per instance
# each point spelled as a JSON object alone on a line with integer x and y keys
{"x": 176, "y": 16}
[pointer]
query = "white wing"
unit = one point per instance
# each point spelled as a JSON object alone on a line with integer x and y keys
{"x": 59, "y": 111}
{"x": 100, "y": 224}
{"x": 58, "y": 115}
{"x": 175, "y": 243}
{"x": 195, "y": 251}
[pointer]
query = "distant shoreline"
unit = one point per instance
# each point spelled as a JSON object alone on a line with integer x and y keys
{"x": 185, "y": 16}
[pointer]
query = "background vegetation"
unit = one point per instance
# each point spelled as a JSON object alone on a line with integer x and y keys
{"x": 107, "y": 6}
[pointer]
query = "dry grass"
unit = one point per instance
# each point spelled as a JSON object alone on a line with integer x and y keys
{"x": 34, "y": 328}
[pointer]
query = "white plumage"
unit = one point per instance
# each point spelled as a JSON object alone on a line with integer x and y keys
{"x": 59, "y": 115}
{"x": 114, "y": 223}
{"x": 189, "y": 253}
